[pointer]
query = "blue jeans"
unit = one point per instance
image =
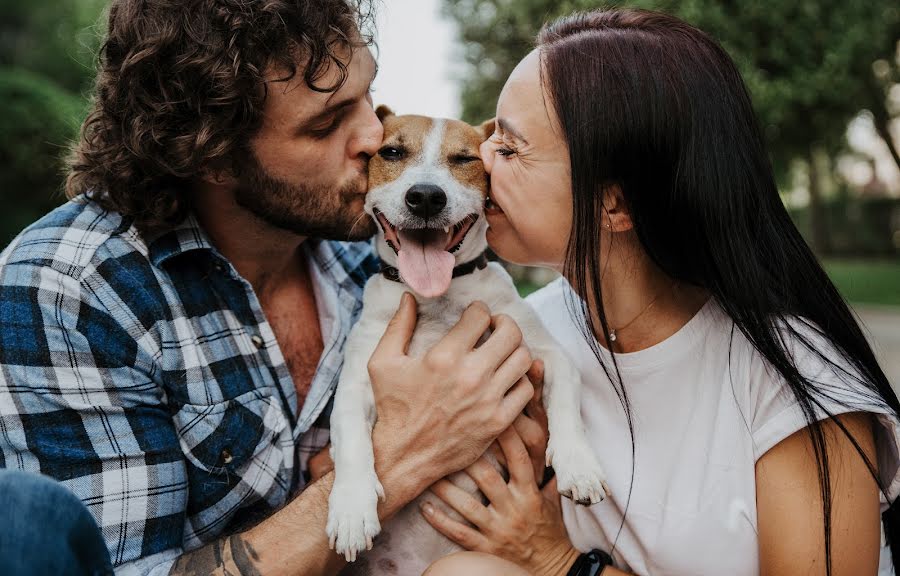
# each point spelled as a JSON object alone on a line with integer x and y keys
{"x": 45, "y": 529}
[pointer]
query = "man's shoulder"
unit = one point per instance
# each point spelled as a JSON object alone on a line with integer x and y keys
{"x": 72, "y": 238}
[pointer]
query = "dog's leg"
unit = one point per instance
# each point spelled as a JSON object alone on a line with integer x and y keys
{"x": 578, "y": 471}
{"x": 353, "y": 503}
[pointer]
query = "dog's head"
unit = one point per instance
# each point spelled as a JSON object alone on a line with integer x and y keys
{"x": 427, "y": 188}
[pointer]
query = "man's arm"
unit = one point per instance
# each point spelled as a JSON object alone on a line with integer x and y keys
{"x": 293, "y": 540}
{"x": 80, "y": 405}
{"x": 437, "y": 415}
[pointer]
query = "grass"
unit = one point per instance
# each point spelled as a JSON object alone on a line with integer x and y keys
{"x": 866, "y": 281}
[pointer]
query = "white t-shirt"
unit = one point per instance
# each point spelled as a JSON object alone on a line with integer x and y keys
{"x": 701, "y": 421}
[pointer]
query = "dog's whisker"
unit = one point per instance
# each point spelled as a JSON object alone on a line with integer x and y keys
{"x": 355, "y": 223}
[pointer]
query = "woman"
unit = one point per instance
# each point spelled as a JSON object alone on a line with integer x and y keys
{"x": 727, "y": 386}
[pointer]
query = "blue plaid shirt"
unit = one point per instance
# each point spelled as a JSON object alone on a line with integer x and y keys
{"x": 143, "y": 375}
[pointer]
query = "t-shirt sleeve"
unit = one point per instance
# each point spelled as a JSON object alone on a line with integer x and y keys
{"x": 776, "y": 414}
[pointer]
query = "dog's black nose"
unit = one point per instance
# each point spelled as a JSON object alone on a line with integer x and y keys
{"x": 425, "y": 200}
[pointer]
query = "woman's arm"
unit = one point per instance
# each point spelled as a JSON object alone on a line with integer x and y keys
{"x": 789, "y": 503}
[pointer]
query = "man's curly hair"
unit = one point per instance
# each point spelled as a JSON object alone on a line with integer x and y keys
{"x": 181, "y": 88}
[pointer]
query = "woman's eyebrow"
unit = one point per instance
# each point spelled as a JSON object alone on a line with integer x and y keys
{"x": 505, "y": 126}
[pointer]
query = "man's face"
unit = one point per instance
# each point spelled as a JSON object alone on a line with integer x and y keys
{"x": 306, "y": 171}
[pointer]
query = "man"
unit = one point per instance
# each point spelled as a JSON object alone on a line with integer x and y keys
{"x": 172, "y": 336}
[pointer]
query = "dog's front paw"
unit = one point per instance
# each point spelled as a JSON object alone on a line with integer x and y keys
{"x": 353, "y": 515}
{"x": 579, "y": 475}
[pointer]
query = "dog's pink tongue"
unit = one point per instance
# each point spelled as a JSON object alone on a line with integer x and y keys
{"x": 425, "y": 265}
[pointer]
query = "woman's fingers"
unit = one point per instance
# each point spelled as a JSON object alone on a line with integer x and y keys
{"x": 465, "y": 536}
{"x": 550, "y": 490}
{"x": 535, "y": 408}
{"x": 518, "y": 461}
{"x": 490, "y": 482}
{"x": 535, "y": 437}
{"x": 461, "y": 501}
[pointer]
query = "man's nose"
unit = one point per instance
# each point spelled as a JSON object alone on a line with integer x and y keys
{"x": 369, "y": 137}
{"x": 425, "y": 200}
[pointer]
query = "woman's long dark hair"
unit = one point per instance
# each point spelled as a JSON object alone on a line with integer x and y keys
{"x": 655, "y": 106}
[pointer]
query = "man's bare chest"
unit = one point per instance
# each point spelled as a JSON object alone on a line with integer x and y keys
{"x": 295, "y": 321}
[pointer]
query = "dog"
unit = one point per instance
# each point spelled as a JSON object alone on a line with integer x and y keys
{"x": 427, "y": 192}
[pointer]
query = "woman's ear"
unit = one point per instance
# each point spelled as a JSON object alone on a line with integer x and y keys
{"x": 487, "y": 128}
{"x": 616, "y": 215}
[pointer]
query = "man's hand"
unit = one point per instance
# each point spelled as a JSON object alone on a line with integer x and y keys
{"x": 443, "y": 410}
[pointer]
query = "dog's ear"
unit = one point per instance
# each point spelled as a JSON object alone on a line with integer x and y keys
{"x": 383, "y": 112}
{"x": 487, "y": 128}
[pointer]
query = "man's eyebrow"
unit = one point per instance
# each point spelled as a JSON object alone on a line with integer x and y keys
{"x": 331, "y": 109}
{"x": 505, "y": 126}
{"x": 334, "y": 107}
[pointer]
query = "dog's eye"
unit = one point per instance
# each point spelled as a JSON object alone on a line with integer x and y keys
{"x": 392, "y": 153}
{"x": 463, "y": 159}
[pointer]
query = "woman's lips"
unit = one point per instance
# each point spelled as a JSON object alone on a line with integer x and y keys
{"x": 491, "y": 208}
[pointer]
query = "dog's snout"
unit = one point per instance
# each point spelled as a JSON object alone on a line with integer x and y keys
{"x": 425, "y": 200}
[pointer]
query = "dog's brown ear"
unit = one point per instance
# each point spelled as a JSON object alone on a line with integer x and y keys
{"x": 487, "y": 128}
{"x": 383, "y": 112}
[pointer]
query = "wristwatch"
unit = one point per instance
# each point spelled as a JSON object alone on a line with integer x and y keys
{"x": 590, "y": 563}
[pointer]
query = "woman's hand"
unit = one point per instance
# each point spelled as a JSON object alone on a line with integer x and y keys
{"x": 521, "y": 523}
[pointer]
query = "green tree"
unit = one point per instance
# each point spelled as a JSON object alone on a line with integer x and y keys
{"x": 58, "y": 40}
{"x": 47, "y": 54}
{"x": 808, "y": 65}
{"x": 39, "y": 119}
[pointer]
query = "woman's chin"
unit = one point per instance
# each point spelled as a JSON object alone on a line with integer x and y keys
{"x": 502, "y": 241}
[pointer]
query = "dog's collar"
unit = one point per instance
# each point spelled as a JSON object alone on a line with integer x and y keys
{"x": 479, "y": 263}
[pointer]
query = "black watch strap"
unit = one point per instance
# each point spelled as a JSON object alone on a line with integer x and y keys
{"x": 590, "y": 563}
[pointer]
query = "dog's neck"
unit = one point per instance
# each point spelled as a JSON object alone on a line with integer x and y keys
{"x": 479, "y": 263}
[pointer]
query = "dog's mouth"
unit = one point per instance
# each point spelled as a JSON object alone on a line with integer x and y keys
{"x": 425, "y": 255}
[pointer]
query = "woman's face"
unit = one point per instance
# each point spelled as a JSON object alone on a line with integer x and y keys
{"x": 528, "y": 162}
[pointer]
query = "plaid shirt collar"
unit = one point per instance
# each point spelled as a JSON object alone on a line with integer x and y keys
{"x": 186, "y": 237}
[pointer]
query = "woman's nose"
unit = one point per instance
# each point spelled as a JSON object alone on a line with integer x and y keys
{"x": 486, "y": 150}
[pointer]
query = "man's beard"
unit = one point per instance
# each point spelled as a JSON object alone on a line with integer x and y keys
{"x": 317, "y": 212}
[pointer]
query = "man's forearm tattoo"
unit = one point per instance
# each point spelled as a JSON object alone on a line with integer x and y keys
{"x": 233, "y": 556}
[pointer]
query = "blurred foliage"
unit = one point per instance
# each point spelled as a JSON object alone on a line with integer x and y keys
{"x": 866, "y": 281}
{"x": 864, "y": 227}
{"x": 808, "y": 64}
{"x": 47, "y": 54}
{"x": 55, "y": 39}
{"x": 39, "y": 118}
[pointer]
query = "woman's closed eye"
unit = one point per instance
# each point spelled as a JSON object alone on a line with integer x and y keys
{"x": 501, "y": 147}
